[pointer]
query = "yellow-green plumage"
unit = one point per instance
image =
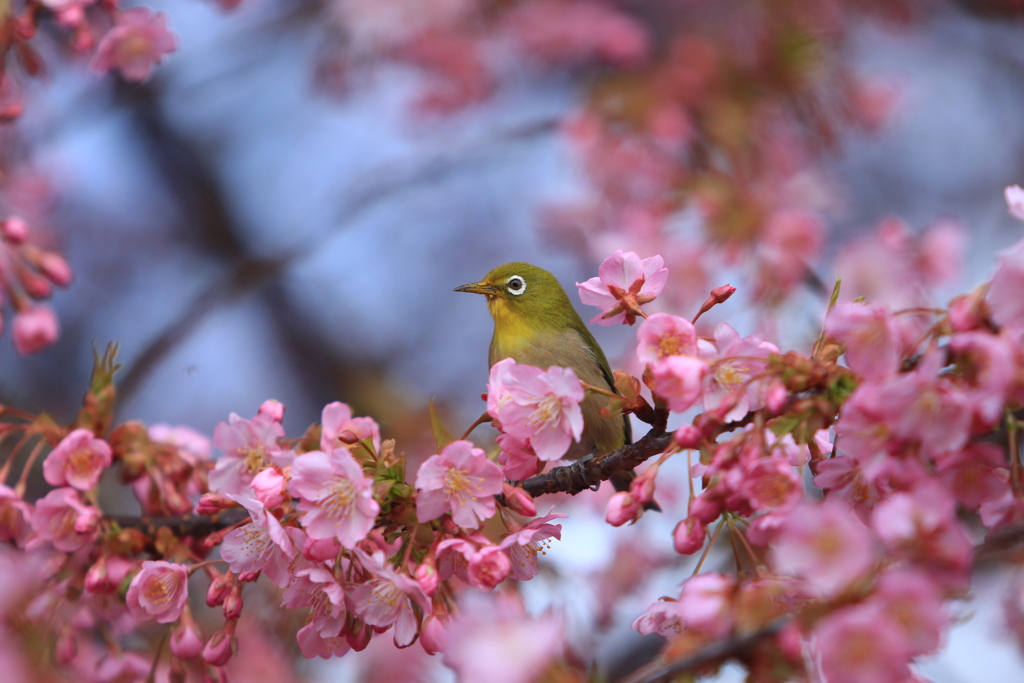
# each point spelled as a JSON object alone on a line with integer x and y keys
{"x": 539, "y": 326}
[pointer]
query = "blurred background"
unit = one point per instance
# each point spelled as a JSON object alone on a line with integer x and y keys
{"x": 283, "y": 210}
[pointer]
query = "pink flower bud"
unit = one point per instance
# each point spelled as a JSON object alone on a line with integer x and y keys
{"x": 212, "y": 503}
{"x": 489, "y": 567}
{"x": 36, "y": 286}
{"x": 642, "y": 488}
{"x": 35, "y": 329}
{"x": 96, "y": 577}
{"x": 186, "y": 640}
{"x": 14, "y": 230}
{"x": 220, "y": 586}
{"x": 233, "y": 603}
{"x": 273, "y": 409}
{"x": 220, "y": 648}
{"x": 776, "y": 397}
{"x": 321, "y": 549}
{"x": 518, "y": 500}
{"x": 622, "y": 508}
{"x": 359, "y": 637}
{"x": 705, "y": 508}
{"x": 688, "y": 536}
{"x": 87, "y": 521}
{"x": 433, "y": 636}
{"x": 248, "y": 577}
{"x": 66, "y": 647}
{"x": 427, "y": 578}
{"x": 966, "y": 312}
{"x": 688, "y": 437}
{"x": 53, "y": 266}
{"x": 269, "y": 486}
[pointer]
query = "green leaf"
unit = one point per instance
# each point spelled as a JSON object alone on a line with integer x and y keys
{"x": 442, "y": 437}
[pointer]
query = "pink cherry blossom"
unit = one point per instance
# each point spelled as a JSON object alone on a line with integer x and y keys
{"x": 1015, "y": 201}
{"x": 770, "y": 483}
{"x": 387, "y": 598}
{"x": 662, "y": 335}
{"x": 679, "y": 381}
{"x": 976, "y": 475}
{"x": 135, "y": 44}
{"x": 262, "y": 545}
{"x": 485, "y": 567}
{"x": 544, "y": 407}
{"x": 249, "y": 446}
{"x": 61, "y": 518}
{"x": 34, "y": 329}
{"x": 335, "y": 495}
{"x": 193, "y": 446}
{"x": 158, "y": 592}
{"x": 624, "y": 284}
{"x": 870, "y": 338}
{"x": 989, "y": 364}
{"x": 337, "y": 421}
{"x": 1003, "y": 296}
{"x": 460, "y": 480}
{"x": 524, "y": 544}
{"x": 492, "y": 639}
{"x": 704, "y": 606}
{"x": 317, "y": 588}
{"x": 861, "y": 643}
{"x": 733, "y": 381}
{"x": 914, "y": 602}
{"x": 77, "y": 461}
{"x": 312, "y": 643}
{"x": 572, "y": 32}
{"x": 517, "y": 459}
{"x": 824, "y": 544}
{"x": 926, "y": 407}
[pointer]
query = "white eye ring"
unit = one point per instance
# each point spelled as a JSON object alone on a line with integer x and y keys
{"x": 516, "y": 290}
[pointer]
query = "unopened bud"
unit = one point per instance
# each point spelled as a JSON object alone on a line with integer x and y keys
{"x": 688, "y": 536}
{"x": 186, "y": 641}
{"x": 53, "y": 266}
{"x": 248, "y": 577}
{"x": 349, "y": 437}
{"x": 427, "y": 578}
{"x": 358, "y": 635}
{"x": 220, "y": 648}
{"x": 518, "y": 500}
{"x": 622, "y": 508}
{"x": 642, "y": 487}
{"x": 321, "y": 549}
{"x": 688, "y": 437}
{"x": 705, "y": 508}
{"x": 212, "y": 503}
{"x": 220, "y": 586}
{"x": 718, "y": 295}
{"x": 269, "y": 486}
{"x": 775, "y": 400}
{"x": 273, "y": 409}
{"x": 14, "y": 230}
{"x": 233, "y": 602}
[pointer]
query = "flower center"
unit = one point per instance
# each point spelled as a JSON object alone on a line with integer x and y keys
{"x": 730, "y": 375}
{"x": 388, "y": 596}
{"x": 458, "y": 486}
{"x": 340, "y": 499}
{"x": 160, "y": 588}
{"x": 254, "y": 458}
{"x": 81, "y": 461}
{"x": 546, "y": 413}
{"x": 668, "y": 346}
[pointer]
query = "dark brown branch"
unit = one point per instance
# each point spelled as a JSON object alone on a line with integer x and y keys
{"x": 184, "y": 525}
{"x": 715, "y": 653}
{"x": 585, "y": 474}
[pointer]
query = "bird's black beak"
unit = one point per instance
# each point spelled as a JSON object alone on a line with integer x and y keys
{"x": 484, "y": 288}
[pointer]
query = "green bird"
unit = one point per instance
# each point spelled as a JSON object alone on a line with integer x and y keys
{"x": 536, "y": 324}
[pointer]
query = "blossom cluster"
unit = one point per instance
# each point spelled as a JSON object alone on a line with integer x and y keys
{"x": 845, "y": 489}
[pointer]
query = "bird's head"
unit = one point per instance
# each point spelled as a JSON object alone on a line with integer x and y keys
{"x": 521, "y": 295}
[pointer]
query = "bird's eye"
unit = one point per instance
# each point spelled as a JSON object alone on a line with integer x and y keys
{"x": 516, "y": 285}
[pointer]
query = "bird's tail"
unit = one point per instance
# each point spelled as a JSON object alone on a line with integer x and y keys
{"x": 621, "y": 482}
